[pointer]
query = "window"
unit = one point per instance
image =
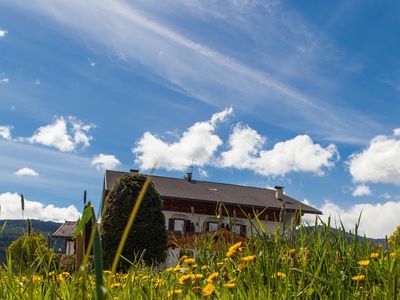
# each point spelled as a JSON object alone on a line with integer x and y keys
{"x": 212, "y": 226}
{"x": 179, "y": 225}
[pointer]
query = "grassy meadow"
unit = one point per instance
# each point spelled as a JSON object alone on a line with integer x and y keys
{"x": 307, "y": 264}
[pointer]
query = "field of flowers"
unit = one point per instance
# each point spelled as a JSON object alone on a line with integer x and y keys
{"x": 309, "y": 264}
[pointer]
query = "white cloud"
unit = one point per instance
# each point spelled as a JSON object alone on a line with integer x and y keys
{"x": 5, "y": 132}
{"x": 11, "y": 209}
{"x": 377, "y": 220}
{"x": 26, "y": 172}
{"x": 3, "y": 33}
{"x": 197, "y": 146}
{"x": 299, "y": 154}
{"x": 202, "y": 172}
{"x": 362, "y": 190}
{"x": 105, "y": 162}
{"x": 386, "y": 196}
{"x": 4, "y": 80}
{"x": 65, "y": 135}
{"x": 379, "y": 162}
{"x": 396, "y": 131}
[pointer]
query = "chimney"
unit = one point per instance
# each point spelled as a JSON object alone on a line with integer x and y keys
{"x": 189, "y": 176}
{"x": 279, "y": 192}
{"x": 134, "y": 171}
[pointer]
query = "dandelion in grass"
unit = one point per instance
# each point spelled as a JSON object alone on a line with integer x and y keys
{"x": 189, "y": 261}
{"x": 279, "y": 275}
{"x": 208, "y": 290}
{"x": 241, "y": 267}
{"x": 116, "y": 285}
{"x": 176, "y": 292}
{"x": 229, "y": 285}
{"x": 184, "y": 279}
{"x": 196, "y": 276}
{"x": 205, "y": 267}
{"x": 358, "y": 278}
{"x": 212, "y": 277}
{"x": 393, "y": 254}
{"x": 374, "y": 255}
{"x": 233, "y": 249}
{"x": 292, "y": 252}
{"x": 248, "y": 259}
{"x": 364, "y": 262}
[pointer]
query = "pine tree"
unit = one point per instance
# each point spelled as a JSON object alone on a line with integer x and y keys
{"x": 148, "y": 236}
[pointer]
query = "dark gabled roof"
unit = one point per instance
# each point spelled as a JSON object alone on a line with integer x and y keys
{"x": 213, "y": 191}
{"x": 66, "y": 230}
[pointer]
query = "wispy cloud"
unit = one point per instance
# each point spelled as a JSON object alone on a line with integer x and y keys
{"x": 203, "y": 71}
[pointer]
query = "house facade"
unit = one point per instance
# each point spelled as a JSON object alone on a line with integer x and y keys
{"x": 193, "y": 207}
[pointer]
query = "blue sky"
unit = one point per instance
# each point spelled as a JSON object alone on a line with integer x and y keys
{"x": 303, "y": 95}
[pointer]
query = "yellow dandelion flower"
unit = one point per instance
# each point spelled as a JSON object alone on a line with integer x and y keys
{"x": 193, "y": 266}
{"x": 170, "y": 269}
{"x": 374, "y": 255}
{"x": 393, "y": 254}
{"x": 212, "y": 277}
{"x": 364, "y": 262}
{"x": 205, "y": 267}
{"x": 196, "y": 276}
{"x": 159, "y": 282}
{"x": 279, "y": 275}
{"x": 183, "y": 257}
{"x": 116, "y": 285}
{"x": 229, "y": 285}
{"x": 37, "y": 278}
{"x": 358, "y": 278}
{"x": 189, "y": 261}
{"x": 235, "y": 247}
{"x": 51, "y": 273}
{"x": 292, "y": 252}
{"x": 184, "y": 279}
{"x": 208, "y": 290}
{"x": 241, "y": 267}
{"x": 176, "y": 292}
{"x": 230, "y": 253}
{"x": 249, "y": 258}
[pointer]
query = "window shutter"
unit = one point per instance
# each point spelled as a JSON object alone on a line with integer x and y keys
{"x": 171, "y": 224}
{"x": 187, "y": 225}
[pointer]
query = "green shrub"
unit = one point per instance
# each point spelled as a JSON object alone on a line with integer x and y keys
{"x": 148, "y": 236}
{"x": 30, "y": 251}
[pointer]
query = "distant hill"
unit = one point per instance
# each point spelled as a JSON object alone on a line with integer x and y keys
{"x": 349, "y": 235}
{"x": 15, "y": 228}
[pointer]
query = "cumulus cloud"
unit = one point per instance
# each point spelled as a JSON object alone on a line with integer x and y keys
{"x": 379, "y": 162}
{"x": 26, "y": 172}
{"x": 299, "y": 154}
{"x": 377, "y": 220}
{"x": 63, "y": 134}
{"x": 105, "y": 162}
{"x": 11, "y": 209}
{"x": 197, "y": 146}
{"x": 396, "y": 132}
{"x": 362, "y": 190}
{"x": 3, "y": 33}
{"x": 5, "y": 132}
{"x": 4, "y": 80}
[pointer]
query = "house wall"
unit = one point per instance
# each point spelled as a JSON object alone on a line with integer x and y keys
{"x": 70, "y": 248}
{"x": 252, "y": 227}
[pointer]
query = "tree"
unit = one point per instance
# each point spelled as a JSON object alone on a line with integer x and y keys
{"x": 148, "y": 236}
{"x": 30, "y": 251}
